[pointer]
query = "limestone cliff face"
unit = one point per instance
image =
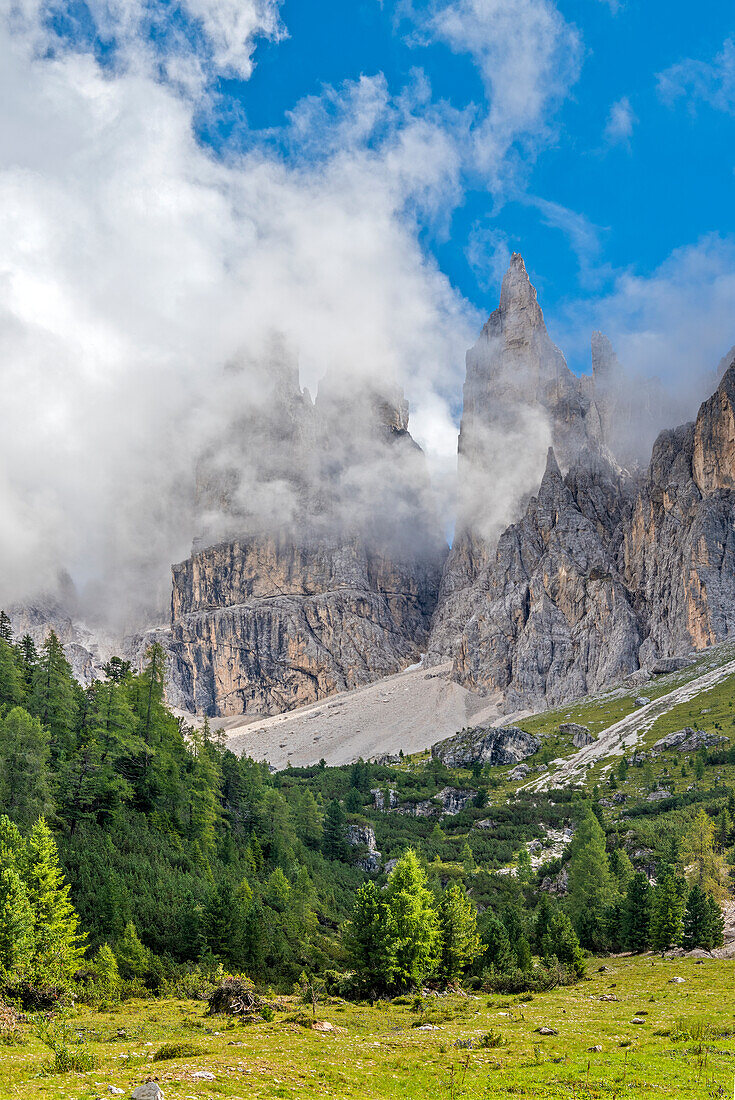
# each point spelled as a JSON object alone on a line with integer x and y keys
{"x": 679, "y": 546}
{"x": 602, "y": 571}
{"x": 267, "y": 625}
{"x": 333, "y": 582}
{"x": 520, "y": 398}
{"x": 553, "y": 620}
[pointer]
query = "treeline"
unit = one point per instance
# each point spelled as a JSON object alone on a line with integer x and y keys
{"x": 170, "y": 857}
{"x": 615, "y": 908}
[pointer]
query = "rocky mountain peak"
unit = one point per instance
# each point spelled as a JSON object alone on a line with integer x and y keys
{"x": 713, "y": 460}
{"x": 518, "y": 295}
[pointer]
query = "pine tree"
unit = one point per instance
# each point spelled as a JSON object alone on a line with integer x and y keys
{"x": 459, "y": 943}
{"x": 560, "y": 941}
{"x": 57, "y": 944}
{"x": 414, "y": 921}
{"x": 106, "y": 973}
{"x": 133, "y": 959}
{"x": 53, "y": 698}
{"x": 703, "y": 921}
{"x": 667, "y": 910}
{"x": 16, "y": 925}
{"x": 637, "y": 914}
{"x": 499, "y": 954}
{"x": 590, "y": 885}
{"x": 27, "y": 661}
{"x": 12, "y": 687}
{"x": 204, "y": 790}
{"x": 24, "y": 783}
{"x": 334, "y": 843}
{"x": 369, "y": 938}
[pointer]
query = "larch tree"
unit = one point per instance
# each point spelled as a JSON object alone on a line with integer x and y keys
{"x": 57, "y": 944}
{"x": 415, "y": 922}
{"x": 459, "y": 943}
{"x": 704, "y": 867}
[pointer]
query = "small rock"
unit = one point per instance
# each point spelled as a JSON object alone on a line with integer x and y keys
{"x": 115, "y": 1091}
{"x": 546, "y": 1031}
{"x": 608, "y": 997}
{"x": 427, "y": 1027}
{"x": 676, "y": 981}
{"x": 638, "y": 1020}
{"x": 642, "y": 701}
{"x": 603, "y": 969}
{"x": 519, "y": 772}
{"x": 203, "y": 1075}
{"x": 149, "y": 1091}
{"x": 322, "y": 1025}
{"x": 594, "y": 1050}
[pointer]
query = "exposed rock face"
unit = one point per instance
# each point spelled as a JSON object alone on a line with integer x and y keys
{"x": 555, "y": 621}
{"x": 603, "y": 575}
{"x": 363, "y": 836}
{"x": 343, "y": 593}
{"x": 679, "y": 546}
{"x": 687, "y": 740}
{"x": 519, "y": 398}
{"x": 484, "y": 745}
{"x": 268, "y": 625}
{"x": 581, "y": 736}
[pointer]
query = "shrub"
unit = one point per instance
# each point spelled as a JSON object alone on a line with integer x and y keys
{"x": 69, "y": 1051}
{"x": 9, "y": 1030}
{"x": 175, "y": 1050}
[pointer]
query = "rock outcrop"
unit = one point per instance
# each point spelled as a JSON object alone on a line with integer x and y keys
{"x": 687, "y": 740}
{"x": 554, "y": 620}
{"x": 678, "y": 553}
{"x": 362, "y": 837}
{"x": 486, "y": 745}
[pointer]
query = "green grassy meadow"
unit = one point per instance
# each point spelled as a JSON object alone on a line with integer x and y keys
{"x": 682, "y": 1045}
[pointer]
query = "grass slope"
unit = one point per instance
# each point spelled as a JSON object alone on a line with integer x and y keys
{"x": 683, "y": 1047}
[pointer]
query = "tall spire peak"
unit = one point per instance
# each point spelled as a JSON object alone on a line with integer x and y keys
{"x": 517, "y": 291}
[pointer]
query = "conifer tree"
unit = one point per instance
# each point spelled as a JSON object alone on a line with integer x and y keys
{"x": 414, "y": 921}
{"x": 667, "y": 910}
{"x": 705, "y": 868}
{"x": 703, "y": 921}
{"x": 560, "y": 941}
{"x": 459, "y": 943}
{"x": 499, "y": 954}
{"x": 12, "y": 845}
{"x": 27, "y": 661}
{"x": 369, "y": 938}
{"x": 637, "y": 914}
{"x": 12, "y": 686}
{"x": 16, "y": 925}
{"x": 106, "y": 972}
{"x": 133, "y": 959}
{"x": 590, "y": 886}
{"x": 25, "y": 792}
{"x": 334, "y": 843}
{"x": 53, "y": 698}
{"x": 57, "y": 944}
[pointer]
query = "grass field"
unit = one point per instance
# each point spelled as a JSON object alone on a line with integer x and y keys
{"x": 658, "y": 1038}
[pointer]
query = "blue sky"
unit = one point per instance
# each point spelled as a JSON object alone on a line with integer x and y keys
{"x": 186, "y": 184}
{"x": 620, "y": 200}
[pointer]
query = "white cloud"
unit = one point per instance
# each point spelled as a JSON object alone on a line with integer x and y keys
{"x": 134, "y": 264}
{"x": 709, "y": 82}
{"x": 674, "y": 324}
{"x": 528, "y": 57}
{"x": 620, "y": 123}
